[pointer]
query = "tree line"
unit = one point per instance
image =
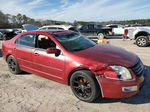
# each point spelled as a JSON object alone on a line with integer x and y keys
{"x": 16, "y": 21}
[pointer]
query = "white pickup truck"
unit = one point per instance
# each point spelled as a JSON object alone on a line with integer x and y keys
{"x": 141, "y": 35}
{"x": 117, "y": 29}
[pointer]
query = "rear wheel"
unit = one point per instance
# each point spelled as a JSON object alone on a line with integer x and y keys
{"x": 84, "y": 86}
{"x": 101, "y": 35}
{"x": 13, "y": 65}
{"x": 142, "y": 41}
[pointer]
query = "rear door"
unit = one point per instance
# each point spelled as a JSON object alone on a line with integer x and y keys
{"x": 24, "y": 50}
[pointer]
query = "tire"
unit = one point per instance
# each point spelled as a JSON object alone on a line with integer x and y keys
{"x": 4, "y": 38}
{"x": 13, "y": 65}
{"x": 142, "y": 41}
{"x": 84, "y": 86}
{"x": 101, "y": 35}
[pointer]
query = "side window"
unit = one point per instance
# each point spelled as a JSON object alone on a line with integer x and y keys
{"x": 43, "y": 28}
{"x": 55, "y": 28}
{"x": 45, "y": 42}
{"x": 91, "y": 26}
{"x": 95, "y": 27}
{"x": 60, "y": 29}
{"x": 85, "y": 27}
{"x": 52, "y": 28}
{"x": 27, "y": 40}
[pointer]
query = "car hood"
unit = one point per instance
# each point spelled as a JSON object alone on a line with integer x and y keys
{"x": 108, "y": 54}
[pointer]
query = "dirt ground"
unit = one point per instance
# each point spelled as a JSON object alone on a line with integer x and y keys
{"x": 31, "y": 93}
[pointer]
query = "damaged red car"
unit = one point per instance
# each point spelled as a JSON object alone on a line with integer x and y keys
{"x": 92, "y": 70}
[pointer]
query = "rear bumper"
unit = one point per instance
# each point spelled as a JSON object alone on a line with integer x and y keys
{"x": 119, "y": 89}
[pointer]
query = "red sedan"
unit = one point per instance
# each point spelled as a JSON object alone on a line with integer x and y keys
{"x": 92, "y": 70}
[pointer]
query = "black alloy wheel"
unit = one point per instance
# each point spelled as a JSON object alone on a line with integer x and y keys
{"x": 13, "y": 65}
{"x": 84, "y": 86}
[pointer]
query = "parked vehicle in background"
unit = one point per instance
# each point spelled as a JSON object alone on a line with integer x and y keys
{"x": 17, "y": 30}
{"x": 1, "y": 36}
{"x": 74, "y": 28}
{"x": 29, "y": 27}
{"x": 93, "y": 29}
{"x": 8, "y": 34}
{"x": 117, "y": 29}
{"x": 92, "y": 70}
{"x": 59, "y": 28}
{"x": 137, "y": 25}
{"x": 55, "y": 27}
{"x": 141, "y": 35}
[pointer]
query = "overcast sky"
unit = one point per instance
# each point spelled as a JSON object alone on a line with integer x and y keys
{"x": 80, "y": 10}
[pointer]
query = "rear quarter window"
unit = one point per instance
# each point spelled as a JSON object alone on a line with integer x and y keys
{"x": 27, "y": 40}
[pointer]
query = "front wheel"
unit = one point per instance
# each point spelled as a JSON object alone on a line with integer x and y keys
{"x": 142, "y": 41}
{"x": 84, "y": 86}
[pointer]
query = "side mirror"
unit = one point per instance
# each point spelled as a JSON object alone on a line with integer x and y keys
{"x": 53, "y": 50}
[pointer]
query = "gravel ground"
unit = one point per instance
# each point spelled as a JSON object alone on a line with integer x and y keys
{"x": 31, "y": 93}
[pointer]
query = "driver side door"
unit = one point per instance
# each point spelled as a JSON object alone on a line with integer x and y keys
{"x": 48, "y": 65}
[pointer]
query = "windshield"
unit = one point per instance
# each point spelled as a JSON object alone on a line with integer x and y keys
{"x": 74, "y": 41}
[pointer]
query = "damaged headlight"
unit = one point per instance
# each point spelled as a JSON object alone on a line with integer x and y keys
{"x": 122, "y": 72}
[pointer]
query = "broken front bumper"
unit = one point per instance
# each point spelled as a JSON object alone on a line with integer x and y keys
{"x": 111, "y": 88}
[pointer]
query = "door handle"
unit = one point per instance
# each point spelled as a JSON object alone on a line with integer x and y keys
{"x": 36, "y": 54}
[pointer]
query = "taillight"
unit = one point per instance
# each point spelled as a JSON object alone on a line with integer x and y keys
{"x": 126, "y": 32}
